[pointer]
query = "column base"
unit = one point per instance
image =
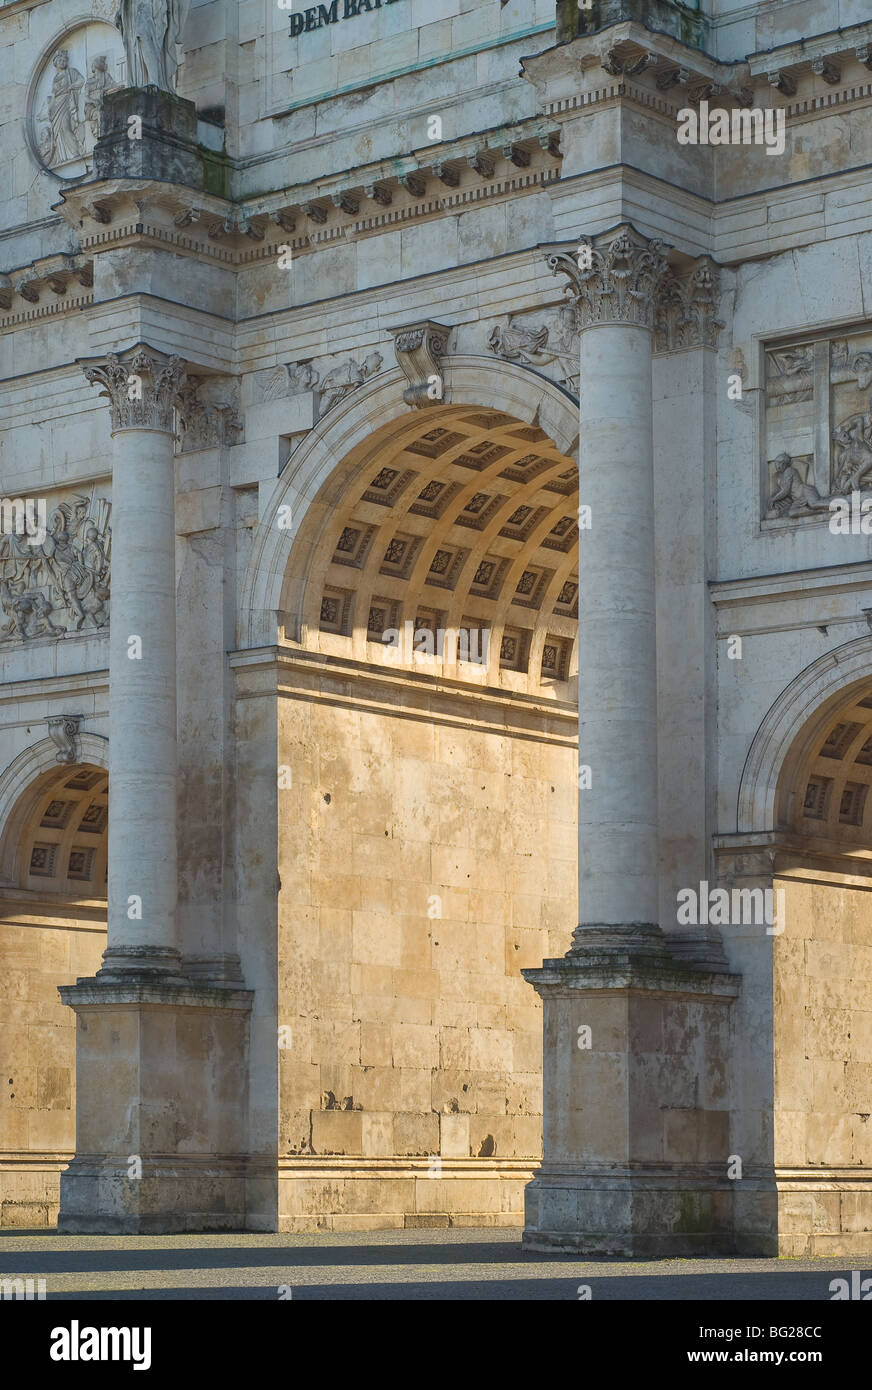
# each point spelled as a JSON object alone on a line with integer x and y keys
{"x": 145, "y": 964}
{"x": 198, "y": 1192}
{"x": 161, "y": 1106}
{"x": 636, "y": 943}
{"x": 630, "y": 1214}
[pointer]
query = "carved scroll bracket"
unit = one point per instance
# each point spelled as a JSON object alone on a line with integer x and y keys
{"x": 64, "y": 732}
{"x": 419, "y": 348}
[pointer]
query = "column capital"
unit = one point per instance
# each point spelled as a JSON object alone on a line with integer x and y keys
{"x": 685, "y": 309}
{"x": 141, "y": 385}
{"x": 613, "y": 278}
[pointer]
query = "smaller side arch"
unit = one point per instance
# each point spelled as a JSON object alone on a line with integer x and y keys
{"x": 793, "y": 724}
{"x": 22, "y": 784}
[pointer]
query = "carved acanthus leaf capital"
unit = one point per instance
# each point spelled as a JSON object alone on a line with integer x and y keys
{"x": 209, "y": 414}
{"x": 613, "y": 278}
{"x": 142, "y": 388}
{"x": 685, "y": 309}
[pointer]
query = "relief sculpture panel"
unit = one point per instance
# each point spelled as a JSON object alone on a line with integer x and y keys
{"x": 66, "y": 97}
{"x": 817, "y": 430}
{"x": 55, "y": 580}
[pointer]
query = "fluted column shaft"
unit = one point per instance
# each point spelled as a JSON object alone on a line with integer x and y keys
{"x": 142, "y": 391}
{"x": 613, "y": 281}
{"x": 617, "y": 699}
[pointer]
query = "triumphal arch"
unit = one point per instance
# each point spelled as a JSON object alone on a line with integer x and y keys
{"x": 436, "y": 633}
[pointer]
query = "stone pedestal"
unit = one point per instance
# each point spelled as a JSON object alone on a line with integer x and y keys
{"x": 161, "y": 1100}
{"x": 636, "y": 1111}
{"x": 163, "y": 147}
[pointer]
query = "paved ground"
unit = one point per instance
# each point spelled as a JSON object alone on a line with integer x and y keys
{"x": 415, "y": 1265}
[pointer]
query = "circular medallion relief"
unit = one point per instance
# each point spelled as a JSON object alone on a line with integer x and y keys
{"x": 66, "y": 97}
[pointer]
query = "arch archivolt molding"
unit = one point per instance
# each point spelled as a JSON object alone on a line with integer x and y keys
{"x": 464, "y": 512}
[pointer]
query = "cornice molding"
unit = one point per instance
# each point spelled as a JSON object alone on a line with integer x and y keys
{"x": 630, "y": 62}
{"x": 48, "y": 285}
{"x": 168, "y": 216}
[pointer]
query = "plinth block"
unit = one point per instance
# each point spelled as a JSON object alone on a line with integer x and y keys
{"x": 636, "y": 1108}
{"x": 161, "y": 1101}
{"x": 163, "y": 147}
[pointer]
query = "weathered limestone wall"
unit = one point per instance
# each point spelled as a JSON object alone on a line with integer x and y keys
{"x": 38, "y": 1061}
{"x": 823, "y": 1067}
{"x": 426, "y": 855}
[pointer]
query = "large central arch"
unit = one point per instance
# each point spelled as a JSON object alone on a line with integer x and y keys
{"x": 427, "y": 841}
{"x": 343, "y": 445}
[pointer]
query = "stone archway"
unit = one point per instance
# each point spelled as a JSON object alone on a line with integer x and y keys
{"x": 822, "y": 983}
{"x": 342, "y": 446}
{"x": 428, "y": 852}
{"x": 805, "y": 832}
{"x": 53, "y": 854}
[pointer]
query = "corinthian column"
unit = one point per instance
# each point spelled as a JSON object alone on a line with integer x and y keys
{"x": 633, "y": 1038}
{"x": 142, "y": 390}
{"x": 613, "y": 283}
{"x": 161, "y": 1059}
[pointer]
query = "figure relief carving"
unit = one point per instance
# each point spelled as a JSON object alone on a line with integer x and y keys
{"x": 793, "y": 495}
{"x": 852, "y": 456}
{"x": 302, "y": 376}
{"x": 346, "y": 378}
{"x": 790, "y": 374}
{"x": 288, "y": 379}
{"x": 66, "y": 109}
{"x": 541, "y": 345}
{"x": 818, "y": 424}
{"x": 151, "y": 31}
{"x": 62, "y": 138}
{"x": 295, "y": 378}
{"x": 98, "y": 84}
{"x": 62, "y": 584}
